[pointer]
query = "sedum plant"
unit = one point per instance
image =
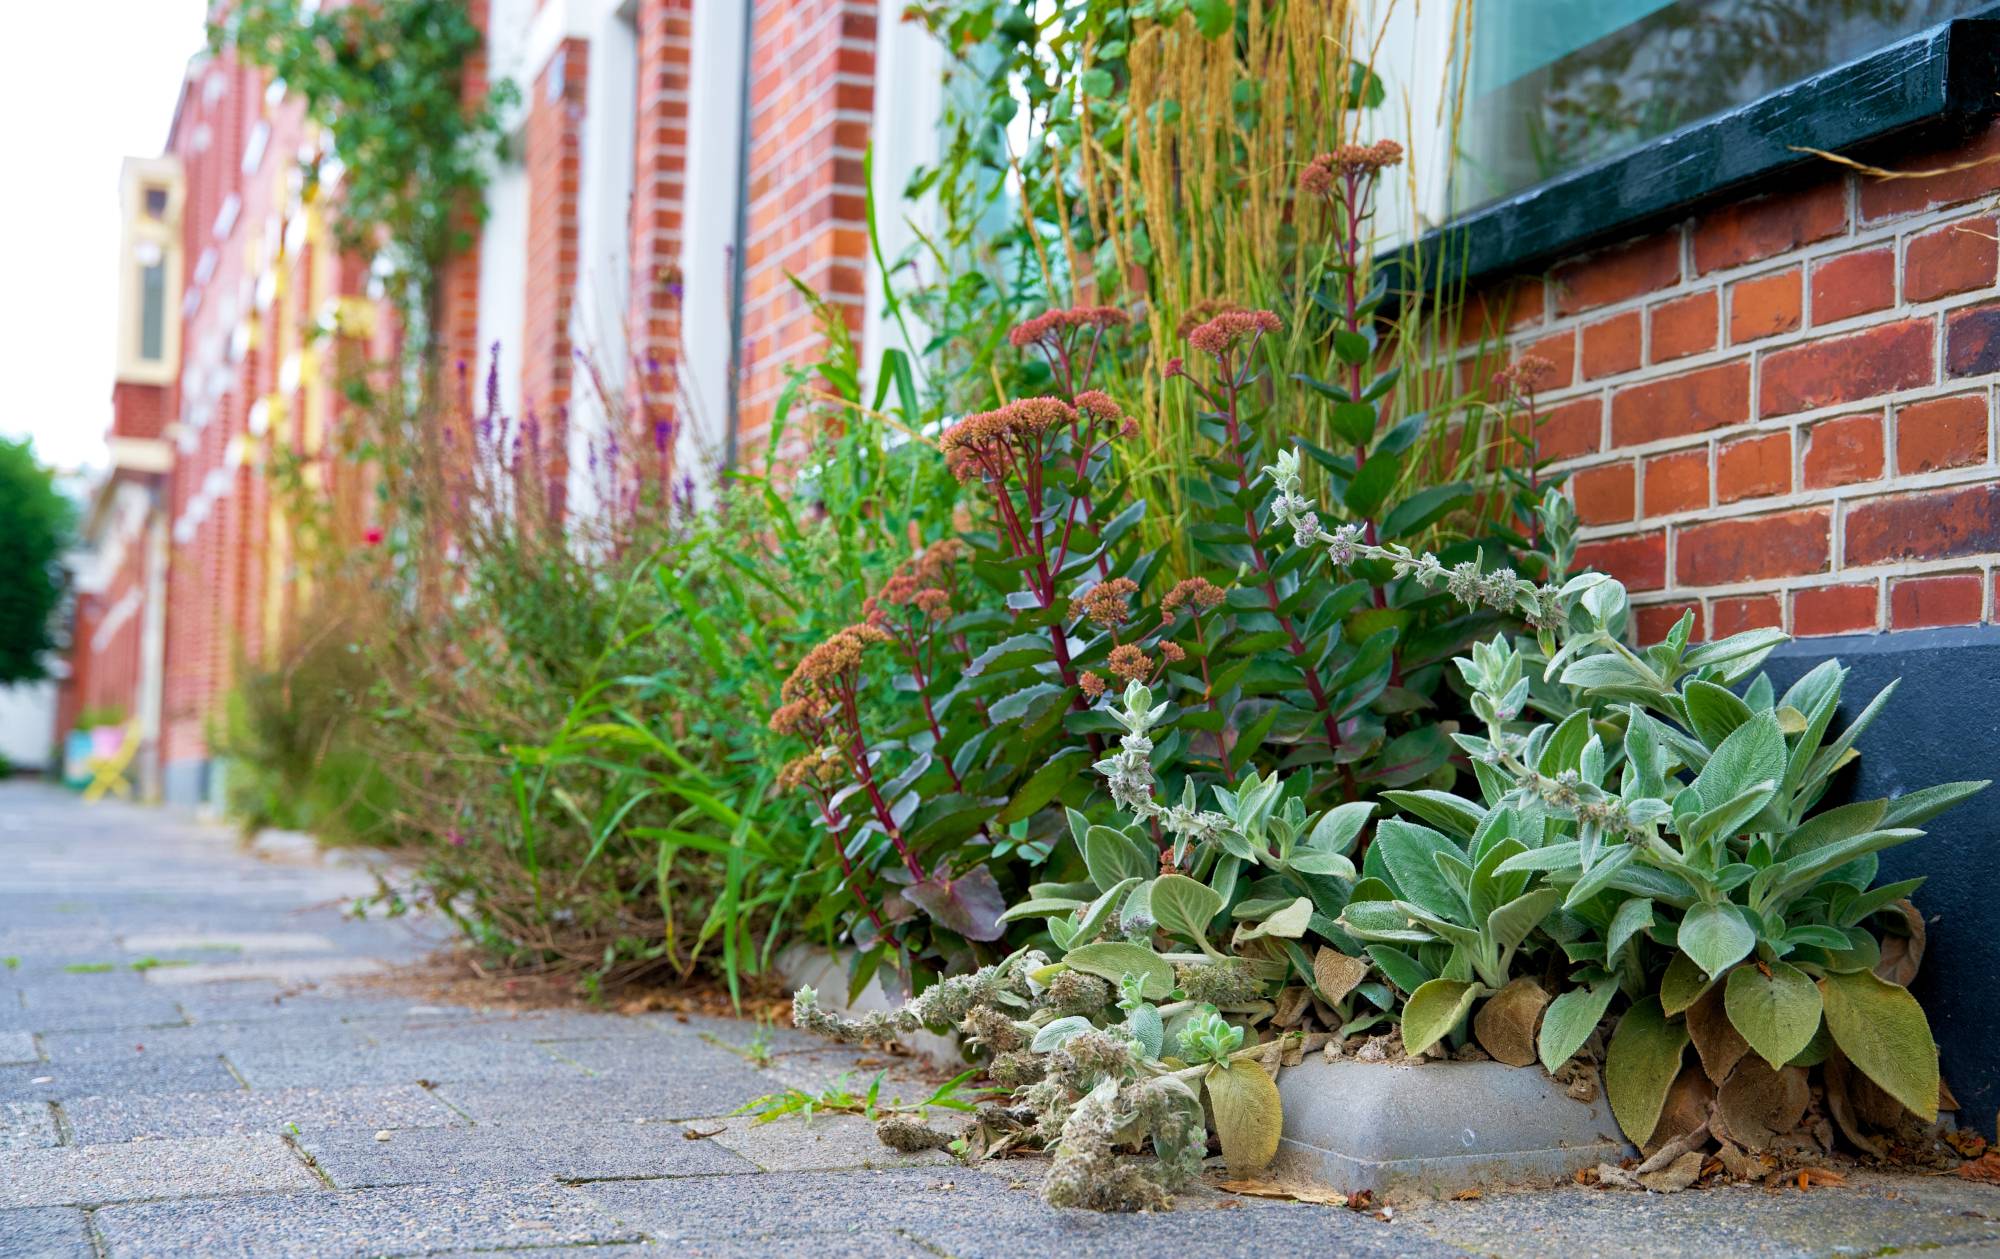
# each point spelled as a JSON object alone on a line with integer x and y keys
{"x": 1647, "y": 829}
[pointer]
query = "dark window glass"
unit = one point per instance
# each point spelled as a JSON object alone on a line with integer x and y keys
{"x": 156, "y": 203}
{"x": 1556, "y": 85}
{"x": 153, "y": 311}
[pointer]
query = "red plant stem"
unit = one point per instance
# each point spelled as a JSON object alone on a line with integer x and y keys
{"x": 854, "y": 882}
{"x": 1293, "y": 642}
{"x": 865, "y": 774}
{"x": 1350, "y": 248}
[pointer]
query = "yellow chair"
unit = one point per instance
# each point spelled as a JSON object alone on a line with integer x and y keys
{"x": 108, "y": 773}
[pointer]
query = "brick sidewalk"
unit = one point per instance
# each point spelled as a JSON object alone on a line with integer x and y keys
{"x": 184, "y": 1071}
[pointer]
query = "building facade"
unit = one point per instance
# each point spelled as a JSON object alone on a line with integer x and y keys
{"x": 669, "y": 163}
{"x": 1773, "y": 394}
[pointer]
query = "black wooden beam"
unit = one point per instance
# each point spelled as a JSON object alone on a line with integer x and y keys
{"x": 1945, "y": 77}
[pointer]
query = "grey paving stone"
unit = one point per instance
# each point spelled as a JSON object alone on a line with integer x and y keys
{"x": 96, "y": 1120}
{"x": 827, "y": 1143}
{"x": 1725, "y": 1223}
{"x": 213, "y": 1039}
{"x": 18, "y": 1047}
{"x": 281, "y": 970}
{"x": 136, "y": 1073}
{"x": 419, "y": 1220}
{"x": 674, "y": 1090}
{"x": 45, "y": 1233}
{"x": 297, "y": 1064}
{"x": 26, "y": 1126}
{"x": 518, "y": 1154}
{"x": 139, "y": 1170}
{"x": 73, "y": 1008}
{"x": 976, "y": 1214}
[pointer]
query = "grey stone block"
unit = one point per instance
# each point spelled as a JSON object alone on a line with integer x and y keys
{"x": 72, "y": 1007}
{"x": 85, "y": 1175}
{"x": 45, "y": 1233}
{"x": 95, "y": 1120}
{"x": 516, "y": 1155}
{"x": 1931, "y": 1215}
{"x": 1438, "y": 1128}
{"x": 26, "y": 1126}
{"x": 682, "y": 1090}
{"x": 135, "y": 1073}
{"x": 18, "y": 1047}
{"x": 420, "y": 1220}
{"x": 300, "y": 1063}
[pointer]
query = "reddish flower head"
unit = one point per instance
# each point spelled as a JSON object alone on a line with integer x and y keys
{"x": 1232, "y": 328}
{"x": 1052, "y": 325}
{"x": 1325, "y": 172}
{"x": 979, "y": 445}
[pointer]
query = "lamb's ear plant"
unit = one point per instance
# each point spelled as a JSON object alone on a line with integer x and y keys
{"x": 1651, "y": 828}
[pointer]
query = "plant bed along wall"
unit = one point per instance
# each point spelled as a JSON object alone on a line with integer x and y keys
{"x": 1644, "y": 923}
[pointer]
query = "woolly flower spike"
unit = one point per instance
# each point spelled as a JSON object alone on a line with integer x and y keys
{"x": 1524, "y": 373}
{"x": 975, "y": 445}
{"x": 1231, "y": 328}
{"x": 1323, "y": 172}
{"x": 1107, "y": 604}
{"x": 1129, "y": 663}
{"x": 1197, "y": 592}
{"x": 1054, "y": 323}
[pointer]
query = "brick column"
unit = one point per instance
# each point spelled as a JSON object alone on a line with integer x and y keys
{"x": 812, "y": 67}
{"x": 554, "y": 159}
{"x": 660, "y": 167}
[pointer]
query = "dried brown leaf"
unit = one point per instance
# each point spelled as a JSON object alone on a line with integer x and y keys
{"x": 1839, "y": 1079}
{"x": 1676, "y": 1176}
{"x": 1288, "y": 1190}
{"x": 1505, "y": 1026}
{"x": 1985, "y": 1169}
{"x": 1686, "y": 1108}
{"x": 1757, "y": 1105}
{"x": 1337, "y": 974}
{"x": 1903, "y": 954}
{"x": 1716, "y": 1040}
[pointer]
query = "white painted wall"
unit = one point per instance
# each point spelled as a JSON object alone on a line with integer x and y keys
{"x": 1414, "y": 59}
{"x": 903, "y": 135}
{"x": 599, "y": 326}
{"x": 503, "y": 242}
{"x": 708, "y": 217}
{"x": 28, "y": 724}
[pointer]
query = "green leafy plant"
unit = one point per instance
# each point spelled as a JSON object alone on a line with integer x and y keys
{"x": 1656, "y": 835}
{"x": 37, "y": 520}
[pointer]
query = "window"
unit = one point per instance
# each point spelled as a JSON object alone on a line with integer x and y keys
{"x": 152, "y": 303}
{"x": 156, "y": 203}
{"x": 1555, "y": 85}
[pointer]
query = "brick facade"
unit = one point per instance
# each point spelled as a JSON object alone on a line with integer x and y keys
{"x": 1780, "y": 412}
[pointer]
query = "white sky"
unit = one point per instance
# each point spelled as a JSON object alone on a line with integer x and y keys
{"x": 89, "y": 84}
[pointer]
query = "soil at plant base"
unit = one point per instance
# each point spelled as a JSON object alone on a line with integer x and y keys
{"x": 456, "y": 975}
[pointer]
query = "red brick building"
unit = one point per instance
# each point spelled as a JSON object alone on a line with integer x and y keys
{"x": 1774, "y": 384}
{"x": 670, "y": 162}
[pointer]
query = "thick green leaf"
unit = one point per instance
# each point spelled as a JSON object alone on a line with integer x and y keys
{"x": 1382, "y": 921}
{"x": 1452, "y": 814}
{"x": 1041, "y": 907}
{"x": 1914, "y": 808}
{"x": 1408, "y": 850}
{"x": 1570, "y": 1019}
{"x": 1634, "y": 916}
{"x": 1883, "y": 1032}
{"x": 1398, "y": 967}
{"x": 1248, "y": 1115}
{"x": 1052, "y": 1035}
{"x": 1682, "y": 985}
{"x": 1184, "y": 907}
{"x": 1753, "y": 753}
{"x": 1336, "y": 829}
{"x": 1715, "y": 938}
{"x": 1112, "y": 856}
{"x": 1115, "y": 959}
{"x": 1434, "y": 1009}
{"x": 1715, "y": 712}
{"x": 1776, "y": 1016}
{"x": 1101, "y": 910}
{"x": 1511, "y": 923}
{"x": 1640, "y": 1065}
{"x": 1288, "y": 922}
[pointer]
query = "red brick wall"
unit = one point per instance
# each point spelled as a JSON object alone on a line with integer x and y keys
{"x": 1780, "y": 412}
{"x": 553, "y": 154}
{"x": 812, "y": 67}
{"x": 660, "y": 166}
{"x": 138, "y": 410}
